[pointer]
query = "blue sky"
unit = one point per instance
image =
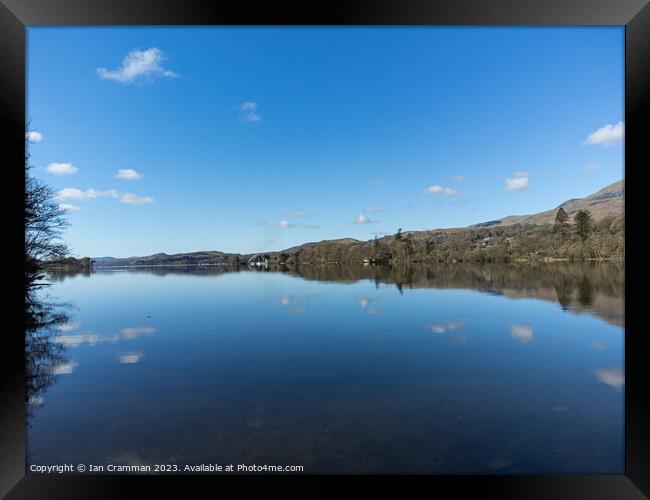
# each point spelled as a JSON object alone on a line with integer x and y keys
{"x": 252, "y": 139}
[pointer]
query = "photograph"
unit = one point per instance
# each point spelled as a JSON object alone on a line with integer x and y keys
{"x": 325, "y": 250}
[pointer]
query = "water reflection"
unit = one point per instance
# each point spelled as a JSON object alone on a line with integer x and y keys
{"x": 130, "y": 358}
{"x": 593, "y": 288}
{"x": 441, "y": 369}
{"x": 613, "y": 377}
{"x": 444, "y": 327}
{"x": 93, "y": 338}
{"x": 523, "y": 333}
{"x": 44, "y": 358}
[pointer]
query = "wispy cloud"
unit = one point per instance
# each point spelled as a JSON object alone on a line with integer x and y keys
{"x": 139, "y": 66}
{"x": 93, "y": 194}
{"x": 517, "y": 182}
{"x": 61, "y": 169}
{"x": 248, "y": 112}
{"x": 362, "y": 219}
{"x": 33, "y": 136}
{"x": 522, "y": 333}
{"x": 440, "y": 190}
{"x": 592, "y": 167}
{"x": 87, "y": 195}
{"x": 313, "y": 226}
{"x": 606, "y": 135}
{"x": 67, "y": 207}
{"x": 128, "y": 174}
{"x": 285, "y": 224}
{"x": 134, "y": 199}
{"x": 373, "y": 210}
{"x": 457, "y": 178}
{"x": 296, "y": 213}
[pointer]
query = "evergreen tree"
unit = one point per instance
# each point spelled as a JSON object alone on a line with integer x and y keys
{"x": 583, "y": 224}
{"x": 561, "y": 217}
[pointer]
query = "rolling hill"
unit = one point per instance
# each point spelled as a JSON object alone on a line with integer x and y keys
{"x": 608, "y": 202}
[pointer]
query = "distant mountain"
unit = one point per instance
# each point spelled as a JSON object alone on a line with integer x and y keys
{"x": 608, "y": 202}
{"x": 192, "y": 258}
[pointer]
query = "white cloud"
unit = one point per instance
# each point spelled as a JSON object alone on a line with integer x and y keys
{"x": 362, "y": 219}
{"x": 606, "y": 135}
{"x": 138, "y": 66}
{"x": 87, "y": 195}
{"x": 61, "y": 169}
{"x": 592, "y": 167}
{"x": 128, "y": 174}
{"x": 285, "y": 224}
{"x": 296, "y": 213}
{"x": 93, "y": 194}
{"x": 440, "y": 190}
{"x": 248, "y": 112}
{"x": 133, "y": 199}
{"x": 456, "y": 178}
{"x": 33, "y": 136}
{"x": 517, "y": 182}
{"x": 523, "y": 333}
{"x": 130, "y": 358}
{"x": 67, "y": 207}
{"x": 614, "y": 377}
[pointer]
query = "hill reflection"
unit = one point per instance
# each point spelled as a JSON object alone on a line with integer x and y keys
{"x": 593, "y": 288}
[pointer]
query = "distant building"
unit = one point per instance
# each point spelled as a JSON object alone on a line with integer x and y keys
{"x": 259, "y": 260}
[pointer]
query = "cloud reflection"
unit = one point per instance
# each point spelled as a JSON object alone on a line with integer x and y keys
{"x": 363, "y": 302}
{"x": 444, "y": 327}
{"x": 93, "y": 338}
{"x": 64, "y": 368}
{"x": 614, "y": 377}
{"x": 597, "y": 345}
{"x": 523, "y": 333}
{"x": 66, "y": 327}
{"x": 130, "y": 358}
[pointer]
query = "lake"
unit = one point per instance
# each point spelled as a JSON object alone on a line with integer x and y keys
{"x": 453, "y": 369}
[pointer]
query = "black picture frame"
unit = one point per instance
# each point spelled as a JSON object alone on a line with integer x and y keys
{"x": 16, "y": 15}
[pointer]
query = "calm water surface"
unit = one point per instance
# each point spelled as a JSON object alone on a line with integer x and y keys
{"x": 453, "y": 369}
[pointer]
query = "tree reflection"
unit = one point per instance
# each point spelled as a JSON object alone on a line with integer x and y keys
{"x": 43, "y": 317}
